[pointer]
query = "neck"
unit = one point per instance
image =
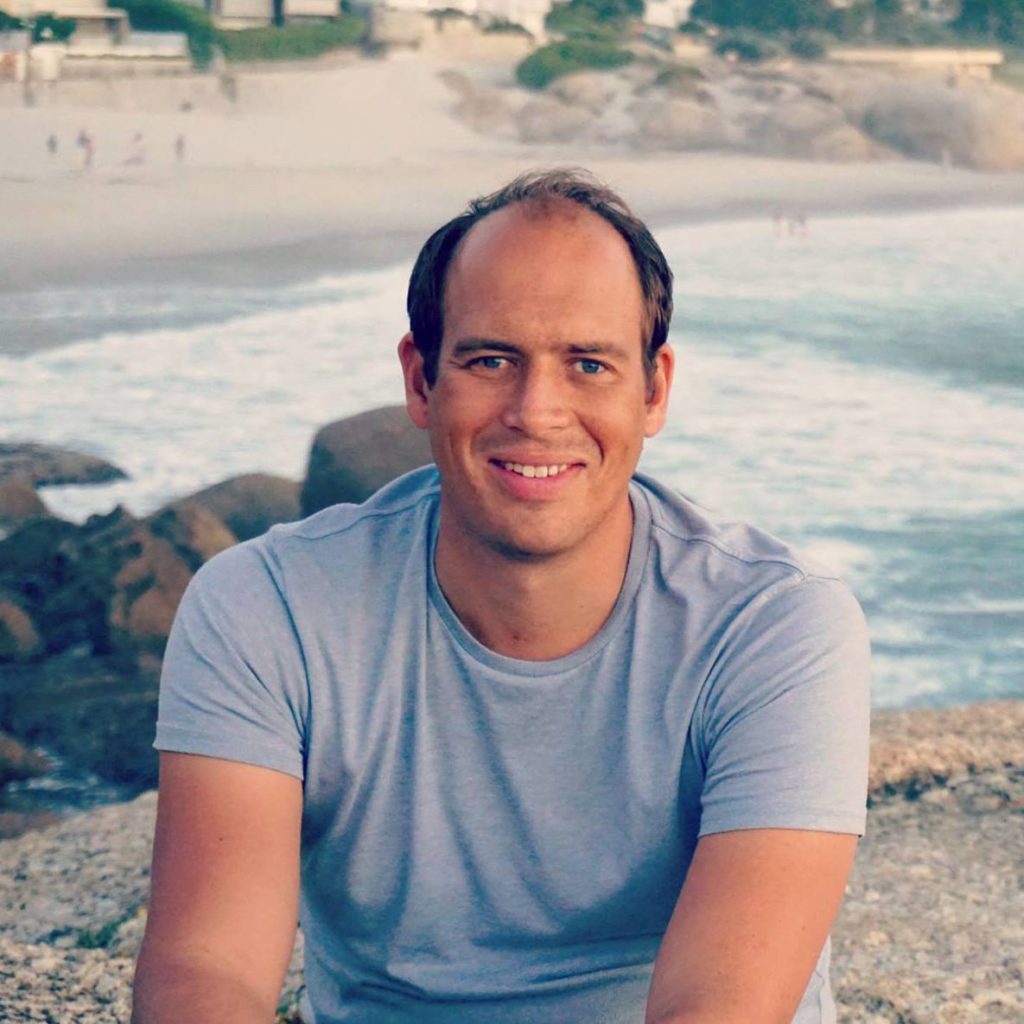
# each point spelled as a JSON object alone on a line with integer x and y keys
{"x": 539, "y": 609}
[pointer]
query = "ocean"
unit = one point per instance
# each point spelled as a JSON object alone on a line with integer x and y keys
{"x": 857, "y": 390}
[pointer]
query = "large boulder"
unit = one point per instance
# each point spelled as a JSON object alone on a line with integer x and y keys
{"x": 549, "y": 120}
{"x": 590, "y": 90}
{"x": 250, "y": 504}
{"x": 793, "y": 128}
{"x": 677, "y": 124}
{"x": 111, "y": 586}
{"x": 19, "y": 501}
{"x": 48, "y": 465}
{"x": 97, "y": 714}
{"x": 980, "y": 127}
{"x": 352, "y": 458}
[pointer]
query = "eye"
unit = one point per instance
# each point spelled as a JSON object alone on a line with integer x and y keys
{"x": 488, "y": 362}
{"x": 590, "y": 367}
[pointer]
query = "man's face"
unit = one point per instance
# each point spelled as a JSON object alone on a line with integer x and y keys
{"x": 541, "y": 403}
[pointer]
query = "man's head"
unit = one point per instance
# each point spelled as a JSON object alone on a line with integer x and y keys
{"x": 543, "y": 190}
{"x": 541, "y": 383}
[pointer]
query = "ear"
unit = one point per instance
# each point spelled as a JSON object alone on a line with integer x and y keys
{"x": 659, "y": 388}
{"x": 416, "y": 389}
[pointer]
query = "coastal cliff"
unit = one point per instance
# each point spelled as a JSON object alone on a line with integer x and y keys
{"x": 930, "y": 930}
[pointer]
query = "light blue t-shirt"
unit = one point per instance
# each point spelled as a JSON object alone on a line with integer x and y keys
{"x": 487, "y": 840}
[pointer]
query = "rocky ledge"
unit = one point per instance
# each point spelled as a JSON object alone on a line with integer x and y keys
{"x": 932, "y": 930}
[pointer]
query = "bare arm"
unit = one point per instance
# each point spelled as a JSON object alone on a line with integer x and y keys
{"x": 748, "y": 928}
{"x": 224, "y": 903}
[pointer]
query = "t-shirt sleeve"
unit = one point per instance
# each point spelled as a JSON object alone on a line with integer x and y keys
{"x": 233, "y": 683}
{"x": 784, "y": 732}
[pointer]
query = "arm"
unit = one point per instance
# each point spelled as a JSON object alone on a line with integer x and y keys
{"x": 749, "y": 925}
{"x": 224, "y": 905}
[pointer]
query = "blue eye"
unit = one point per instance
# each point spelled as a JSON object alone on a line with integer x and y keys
{"x": 490, "y": 362}
{"x": 591, "y": 367}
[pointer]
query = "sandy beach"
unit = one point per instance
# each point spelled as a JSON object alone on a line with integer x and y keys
{"x": 344, "y": 164}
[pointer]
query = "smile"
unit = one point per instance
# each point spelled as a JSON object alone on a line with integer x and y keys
{"x": 540, "y": 472}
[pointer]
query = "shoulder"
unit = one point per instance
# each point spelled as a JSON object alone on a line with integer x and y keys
{"x": 735, "y": 548}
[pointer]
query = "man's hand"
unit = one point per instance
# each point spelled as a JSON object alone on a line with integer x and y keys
{"x": 224, "y": 905}
{"x": 753, "y": 915}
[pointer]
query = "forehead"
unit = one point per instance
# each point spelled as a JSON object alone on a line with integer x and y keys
{"x": 554, "y": 268}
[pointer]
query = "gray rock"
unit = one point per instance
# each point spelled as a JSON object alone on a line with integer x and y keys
{"x": 589, "y": 90}
{"x": 352, "y": 458}
{"x": 48, "y": 465}
{"x": 546, "y": 120}
{"x": 19, "y": 501}
{"x": 251, "y": 503}
{"x": 677, "y": 124}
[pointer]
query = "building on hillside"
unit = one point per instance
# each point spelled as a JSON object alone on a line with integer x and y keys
{"x": 94, "y": 20}
{"x": 668, "y": 14}
{"x": 255, "y": 13}
{"x": 954, "y": 63}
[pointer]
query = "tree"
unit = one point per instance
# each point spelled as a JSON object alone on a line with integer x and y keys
{"x": 762, "y": 16}
{"x": 996, "y": 19}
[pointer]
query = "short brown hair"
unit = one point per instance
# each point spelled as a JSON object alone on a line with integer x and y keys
{"x": 425, "y": 302}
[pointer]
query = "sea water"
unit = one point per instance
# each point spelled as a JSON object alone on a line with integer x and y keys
{"x": 856, "y": 388}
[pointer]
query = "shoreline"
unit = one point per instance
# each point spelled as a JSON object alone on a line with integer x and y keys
{"x": 122, "y": 239}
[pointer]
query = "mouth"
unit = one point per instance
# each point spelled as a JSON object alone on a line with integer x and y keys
{"x": 532, "y": 471}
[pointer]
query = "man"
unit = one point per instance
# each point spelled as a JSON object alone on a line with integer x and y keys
{"x": 537, "y": 740}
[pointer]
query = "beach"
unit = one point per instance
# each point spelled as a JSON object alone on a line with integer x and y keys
{"x": 345, "y": 165}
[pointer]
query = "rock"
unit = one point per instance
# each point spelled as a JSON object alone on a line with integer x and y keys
{"x": 548, "y": 120}
{"x": 194, "y": 532}
{"x": 844, "y": 143}
{"x": 19, "y": 640}
{"x": 113, "y": 584}
{"x": 18, "y": 762}
{"x": 47, "y": 465}
{"x": 678, "y": 124}
{"x": 589, "y": 90}
{"x": 981, "y": 127}
{"x": 250, "y": 504}
{"x": 793, "y": 128}
{"x": 19, "y": 501}
{"x": 353, "y": 457}
{"x": 97, "y": 714}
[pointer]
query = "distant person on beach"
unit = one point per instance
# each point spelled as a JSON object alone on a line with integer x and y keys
{"x": 85, "y": 142}
{"x": 527, "y": 736}
{"x": 52, "y": 145}
{"x": 179, "y": 149}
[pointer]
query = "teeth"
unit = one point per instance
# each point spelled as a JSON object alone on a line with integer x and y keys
{"x": 539, "y": 472}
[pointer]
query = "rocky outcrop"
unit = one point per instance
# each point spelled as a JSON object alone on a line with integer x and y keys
{"x": 546, "y": 120}
{"x": 929, "y": 930}
{"x": 977, "y": 127}
{"x": 250, "y": 504}
{"x": 677, "y": 124}
{"x": 352, "y": 458}
{"x": 48, "y": 465}
{"x": 19, "y": 502}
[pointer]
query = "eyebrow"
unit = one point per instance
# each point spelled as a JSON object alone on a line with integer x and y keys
{"x": 467, "y": 346}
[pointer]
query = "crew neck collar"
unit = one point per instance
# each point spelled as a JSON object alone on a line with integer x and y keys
{"x": 613, "y": 625}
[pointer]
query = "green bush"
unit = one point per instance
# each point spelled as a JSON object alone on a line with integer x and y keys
{"x": 850, "y": 23}
{"x": 292, "y": 42}
{"x": 809, "y": 46}
{"x": 168, "y": 16}
{"x": 543, "y": 66}
{"x": 51, "y": 29}
{"x": 748, "y": 47}
{"x": 501, "y": 25}
{"x": 762, "y": 15}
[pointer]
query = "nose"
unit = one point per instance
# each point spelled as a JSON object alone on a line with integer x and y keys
{"x": 539, "y": 401}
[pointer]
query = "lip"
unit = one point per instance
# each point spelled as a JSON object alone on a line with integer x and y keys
{"x": 533, "y": 488}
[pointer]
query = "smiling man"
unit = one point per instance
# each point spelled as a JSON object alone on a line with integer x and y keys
{"x": 533, "y": 737}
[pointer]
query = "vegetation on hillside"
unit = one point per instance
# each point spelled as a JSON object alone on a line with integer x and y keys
{"x": 292, "y": 42}
{"x": 543, "y": 66}
{"x": 169, "y": 16}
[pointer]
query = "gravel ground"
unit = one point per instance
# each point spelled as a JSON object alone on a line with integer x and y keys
{"x": 931, "y": 932}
